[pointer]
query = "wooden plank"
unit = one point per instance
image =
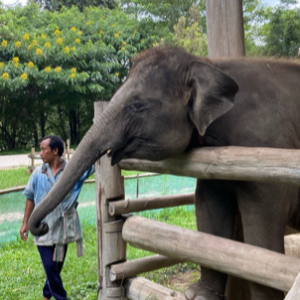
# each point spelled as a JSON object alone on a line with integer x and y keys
{"x": 142, "y": 289}
{"x": 294, "y": 293}
{"x": 111, "y": 248}
{"x": 128, "y": 206}
{"x": 241, "y": 260}
{"x": 225, "y": 30}
{"x": 141, "y": 265}
{"x": 228, "y": 163}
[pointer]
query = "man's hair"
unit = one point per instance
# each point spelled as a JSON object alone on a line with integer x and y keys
{"x": 55, "y": 142}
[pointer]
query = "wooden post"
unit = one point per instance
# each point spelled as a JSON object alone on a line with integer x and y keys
{"x": 252, "y": 263}
{"x": 111, "y": 247}
{"x": 225, "y": 30}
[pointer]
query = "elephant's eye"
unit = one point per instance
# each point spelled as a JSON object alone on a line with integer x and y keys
{"x": 137, "y": 106}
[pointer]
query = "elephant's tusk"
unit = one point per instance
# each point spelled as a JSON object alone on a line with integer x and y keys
{"x": 108, "y": 151}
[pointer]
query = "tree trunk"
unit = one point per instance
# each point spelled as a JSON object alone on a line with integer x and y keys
{"x": 225, "y": 30}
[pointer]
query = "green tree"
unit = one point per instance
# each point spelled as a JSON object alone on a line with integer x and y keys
{"x": 53, "y": 5}
{"x": 283, "y": 31}
{"x": 54, "y": 65}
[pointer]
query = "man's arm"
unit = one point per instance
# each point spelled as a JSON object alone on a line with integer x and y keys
{"x": 29, "y": 206}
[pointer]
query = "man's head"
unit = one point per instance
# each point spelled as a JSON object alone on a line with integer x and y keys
{"x": 52, "y": 147}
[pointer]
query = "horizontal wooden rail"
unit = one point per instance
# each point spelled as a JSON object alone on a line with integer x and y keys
{"x": 141, "y": 265}
{"x": 231, "y": 163}
{"x": 142, "y": 289}
{"x": 242, "y": 260}
{"x": 128, "y": 206}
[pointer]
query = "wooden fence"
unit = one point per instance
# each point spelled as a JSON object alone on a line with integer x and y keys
{"x": 114, "y": 229}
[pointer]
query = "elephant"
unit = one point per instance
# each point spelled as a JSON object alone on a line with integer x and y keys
{"x": 169, "y": 102}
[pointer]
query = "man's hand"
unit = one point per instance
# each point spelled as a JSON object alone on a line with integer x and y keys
{"x": 24, "y": 232}
{"x": 29, "y": 206}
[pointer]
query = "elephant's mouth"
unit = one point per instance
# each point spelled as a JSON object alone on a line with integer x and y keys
{"x": 124, "y": 151}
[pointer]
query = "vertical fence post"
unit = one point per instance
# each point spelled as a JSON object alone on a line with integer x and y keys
{"x": 111, "y": 247}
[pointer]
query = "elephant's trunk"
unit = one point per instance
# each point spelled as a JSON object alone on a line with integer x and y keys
{"x": 94, "y": 144}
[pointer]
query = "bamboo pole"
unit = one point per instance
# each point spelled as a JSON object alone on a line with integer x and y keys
{"x": 238, "y": 259}
{"x": 141, "y": 265}
{"x": 128, "y": 206}
{"x": 111, "y": 247}
{"x": 142, "y": 289}
{"x": 68, "y": 149}
{"x": 228, "y": 163}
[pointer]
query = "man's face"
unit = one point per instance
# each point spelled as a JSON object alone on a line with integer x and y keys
{"x": 46, "y": 153}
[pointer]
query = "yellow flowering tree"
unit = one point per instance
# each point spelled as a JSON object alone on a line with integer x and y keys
{"x": 54, "y": 65}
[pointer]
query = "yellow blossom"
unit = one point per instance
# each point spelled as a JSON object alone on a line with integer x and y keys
{"x": 117, "y": 74}
{"x": 73, "y": 28}
{"x": 18, "y": 44}
{"x": 73, "y": 75}
{"x": 26, "y": 37}
{"x": 123, "y": 48}
{"x": 57, "y": 32}
{"x": 1, "y": 65}
{"x": 88, "y": 23}
{"x": 5, "y": 76}
{"x": 43, "y": 36}
{"x": 113, "y": 25}
{"x": 67, "y": 49}
{"x": 116, "y": 35}
{"x": 57, "y": 69}
{"x": 101, "y": 32}
{"x": 24, "y": 76}
{"x": 30, "y": 64}
{"x": 4, "y": 43}
{"x": 47, "y": 69}
{"x": 15, "y": 61}
{"x": 29, "y": 47}
{"x": 123, "y": 43}
{"x": 73, "y": 48}
{"x": 142, "y": 41}
{"x": 35, "y": 43}
{"x": 100, "y": 41}
{"x": 59, "y": 41}
{"x": 79, "y": 32}
{"x": 134, "y": 33}
{"x": 77, "y": 41}
{"x": 73, "y": 70}
{"x": 39, "y": 51}
{"x": 47, "y": 45}
{"x": 119, "y": 31}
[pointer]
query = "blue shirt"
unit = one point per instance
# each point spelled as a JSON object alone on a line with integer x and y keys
{"x": 37, "y": 188}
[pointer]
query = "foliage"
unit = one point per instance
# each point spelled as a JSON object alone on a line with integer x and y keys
{"x": 53, "y": 5}
{"x": 166, "y": 12}
{"x": 54, "y": 65}
{"x": 283, "y": 32}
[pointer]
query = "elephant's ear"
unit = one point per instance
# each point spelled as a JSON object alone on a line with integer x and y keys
{"x": 211, "y": 94}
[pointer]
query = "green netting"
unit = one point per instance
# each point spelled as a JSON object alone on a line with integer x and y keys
{"x": 12, "y": 204}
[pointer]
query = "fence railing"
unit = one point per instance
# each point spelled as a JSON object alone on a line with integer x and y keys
{"x": 174, "y": 244}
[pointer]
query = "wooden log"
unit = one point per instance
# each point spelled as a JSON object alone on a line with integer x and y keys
{"x": 128, "y": 206}
{"x": 142, "y": 289}
{"x": 294, "y": 293}
{"x": 12, "y": 190}
{"x": 111, "y": 247}
{"x": 229, "y": 163}
{"x": 141, "y": 265}
{"x": 241, "y": 260}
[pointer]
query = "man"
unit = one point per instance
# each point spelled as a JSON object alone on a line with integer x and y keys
{"x": 63, "y": 221}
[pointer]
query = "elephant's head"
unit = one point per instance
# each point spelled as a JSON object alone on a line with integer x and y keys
{"x": 167, "y": 94}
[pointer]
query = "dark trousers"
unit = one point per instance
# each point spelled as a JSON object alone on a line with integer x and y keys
{"x": 53, "y": 286}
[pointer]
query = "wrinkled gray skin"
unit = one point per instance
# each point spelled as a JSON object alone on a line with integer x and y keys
{"x": 168, "y": 95}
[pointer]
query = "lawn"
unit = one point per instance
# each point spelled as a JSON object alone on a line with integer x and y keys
{"x": 21, "y": 272}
